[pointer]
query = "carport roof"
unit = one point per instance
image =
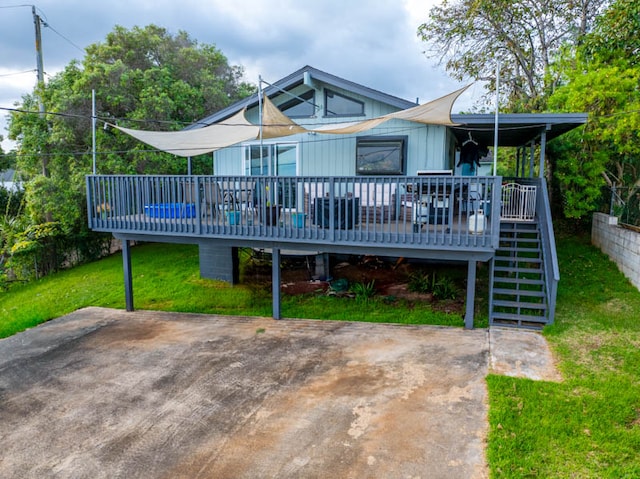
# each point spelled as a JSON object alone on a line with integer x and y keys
{"x": 515, "y": 129}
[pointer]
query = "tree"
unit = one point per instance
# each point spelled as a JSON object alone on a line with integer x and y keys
{"x": 600, "y": 77}
{"x": 144, "y": 78}
{"x": 470, "y": 36}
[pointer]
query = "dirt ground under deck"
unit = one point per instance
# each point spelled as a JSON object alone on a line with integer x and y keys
{"x": 102, "y": 393}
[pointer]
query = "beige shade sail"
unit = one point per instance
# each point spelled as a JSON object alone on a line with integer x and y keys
{"x": 199, "y": 141}
{"x": 351, "y": 127}
{"x": 436, "y": 112}
{"x": 276, "y": 124}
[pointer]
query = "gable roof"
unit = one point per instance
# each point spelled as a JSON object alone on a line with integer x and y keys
{"x": 306, "y": 73}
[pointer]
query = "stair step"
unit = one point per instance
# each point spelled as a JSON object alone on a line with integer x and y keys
{"x": 517, "y": 259}
{"x": 519, "y": 225}
{"x": 519, "y": 240}
{"x": 517, "y": 320}
{"x": 518, "y": 249}
{"x": 520, "y": 292}
{"x": 501, "y": 303}
{"x": 507, "y": 269}
{"x": 508, "y": 279}
{"x": 533, "y": 234}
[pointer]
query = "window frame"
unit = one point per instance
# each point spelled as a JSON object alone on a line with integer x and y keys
{"x": 400, "y": 171}
{"x": 293, "y": 102}
{"x": 271, "y": 148}
{"x": 327, "y": 114}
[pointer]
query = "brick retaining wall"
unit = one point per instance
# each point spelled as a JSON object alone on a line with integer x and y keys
{"x": 620, "y": 244}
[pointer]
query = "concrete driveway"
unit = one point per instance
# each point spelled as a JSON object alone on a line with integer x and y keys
{"x": 103, "y": 393}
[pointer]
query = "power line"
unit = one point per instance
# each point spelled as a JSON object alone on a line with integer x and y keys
{"x": 17, "y": 73}
{"x": 48, "y": 25}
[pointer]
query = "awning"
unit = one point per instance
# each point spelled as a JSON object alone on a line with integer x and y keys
{"x": 276, "y": 124}
{"x": 199, "y": 141}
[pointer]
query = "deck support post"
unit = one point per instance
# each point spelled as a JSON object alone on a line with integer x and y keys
{"x": 322, "y": 267}
{"x": 275, "y": 281}
{"x": 471, "y": 294}
{"x": 128, "y": 278}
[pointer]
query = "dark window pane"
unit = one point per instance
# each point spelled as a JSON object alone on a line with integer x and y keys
{"x": 336, "y": 104}
{"x": 303, "y": 106}
{"x": 380, "y": 156}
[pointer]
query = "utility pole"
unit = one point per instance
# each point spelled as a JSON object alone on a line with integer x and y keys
{"x": 40, "y": 86}
{"x": 39, "y": 63}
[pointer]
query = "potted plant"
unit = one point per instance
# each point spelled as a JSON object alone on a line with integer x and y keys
{"x": 271, "y": 214}
{"x": 270, "y": 211}
{"x": 233, "y": 217}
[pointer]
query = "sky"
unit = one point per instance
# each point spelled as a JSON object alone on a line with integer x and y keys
{"x": 372, "y": 42}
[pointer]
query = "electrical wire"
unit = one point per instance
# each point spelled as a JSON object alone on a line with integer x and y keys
{"x": 17, "y": 73}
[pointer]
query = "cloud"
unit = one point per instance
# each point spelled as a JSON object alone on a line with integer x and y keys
{"x": 373, "y": 43}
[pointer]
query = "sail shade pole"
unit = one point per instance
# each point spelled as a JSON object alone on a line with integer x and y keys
{"x": 495, "y": 135}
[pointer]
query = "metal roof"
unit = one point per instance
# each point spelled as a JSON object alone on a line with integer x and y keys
{"x": 515, "y": 129}
{"x": 297, "y": 78}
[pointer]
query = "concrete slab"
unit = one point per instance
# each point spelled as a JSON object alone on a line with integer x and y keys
{"x": 104, "y": 393}
{"x": 521, "y": 353}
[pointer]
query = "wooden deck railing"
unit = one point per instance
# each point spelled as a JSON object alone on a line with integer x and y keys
{"x": 412, "y": 212}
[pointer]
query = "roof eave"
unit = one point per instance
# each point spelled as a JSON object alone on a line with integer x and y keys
{"x": 295, "y": 79}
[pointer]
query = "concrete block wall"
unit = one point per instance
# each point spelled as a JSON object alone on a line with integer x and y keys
{"x": 620, "y": 244}
{"x": 219, "y": 261}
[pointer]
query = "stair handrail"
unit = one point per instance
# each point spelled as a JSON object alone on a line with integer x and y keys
{"x": 550, "y": 254}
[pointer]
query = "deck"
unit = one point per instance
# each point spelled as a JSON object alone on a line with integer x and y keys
{"x": 435, "y": 217}
{"x": 413, "y": 216}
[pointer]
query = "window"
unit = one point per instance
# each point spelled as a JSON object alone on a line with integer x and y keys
{"x": 303, "y": 106}
{"x": 380, "y": 155}
{"x": 336, "y": 104}
{"x": 277, "y": 159}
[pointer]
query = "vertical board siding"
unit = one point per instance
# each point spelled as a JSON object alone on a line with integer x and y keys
{"x": 334, "y": 155}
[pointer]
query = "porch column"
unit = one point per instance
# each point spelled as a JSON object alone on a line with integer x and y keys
{"x": 543, "y": 149}
{"x": 532, "y": 155}
{"x": 275, "y": 282}
{"x": 471, "y": 294}
{"x": 128, "y": 279}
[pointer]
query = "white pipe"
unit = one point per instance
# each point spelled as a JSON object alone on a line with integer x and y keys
{"x": 261, "y": 121}
{"x": 495, "y": 136}
{"x": 93, "y": 127}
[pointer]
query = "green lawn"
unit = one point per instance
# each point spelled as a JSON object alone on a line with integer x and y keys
{"x": 166, "y": 277}
{"x": 588, "y": 426}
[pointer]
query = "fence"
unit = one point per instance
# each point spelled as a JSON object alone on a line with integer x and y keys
{"x": 624, "y": 203}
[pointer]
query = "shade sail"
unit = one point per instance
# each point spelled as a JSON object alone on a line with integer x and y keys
{"x": 436, "y": 112}
{"x": 199, "y": 141}
{"x": 276, "y": 124}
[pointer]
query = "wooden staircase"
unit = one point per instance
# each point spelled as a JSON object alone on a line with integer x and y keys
{"x": 518, "y": 289}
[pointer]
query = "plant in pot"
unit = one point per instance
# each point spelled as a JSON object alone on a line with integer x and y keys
{"x": 271, "y": 214}
{"x": 270, "y": 211}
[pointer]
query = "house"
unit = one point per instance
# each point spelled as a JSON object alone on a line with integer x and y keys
{"x": 9, "y": 180}
{"x": 319, "y": 163}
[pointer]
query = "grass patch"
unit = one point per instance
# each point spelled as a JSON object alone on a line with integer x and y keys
{"x": 589, "y": 425}
{"x": 166, "y": 277}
